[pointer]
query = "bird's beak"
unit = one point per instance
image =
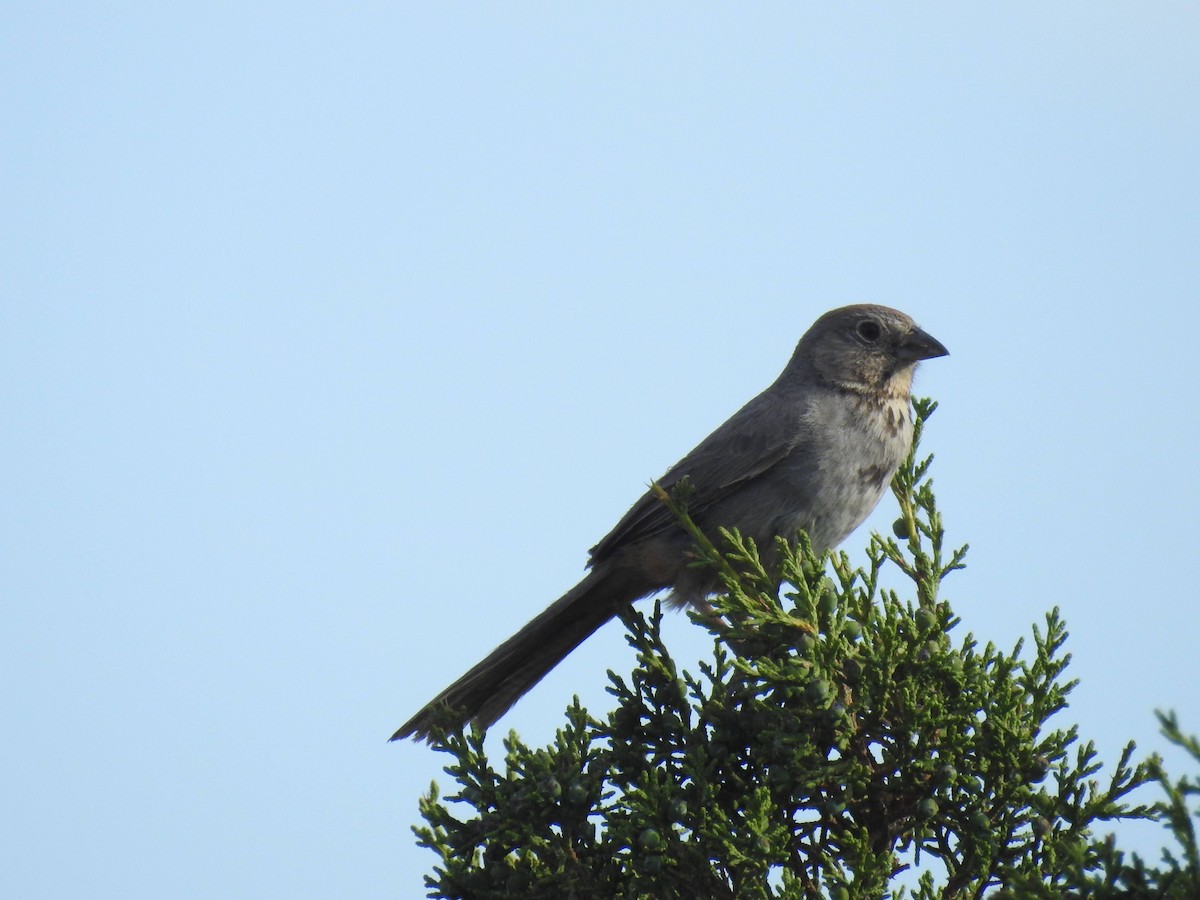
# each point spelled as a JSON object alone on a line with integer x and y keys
{"x": 919, "y": 345}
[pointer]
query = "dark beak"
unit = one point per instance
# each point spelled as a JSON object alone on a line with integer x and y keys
{"x": 918, "y": 345}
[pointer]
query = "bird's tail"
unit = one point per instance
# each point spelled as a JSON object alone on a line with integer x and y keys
{"x": 492, "y": 686}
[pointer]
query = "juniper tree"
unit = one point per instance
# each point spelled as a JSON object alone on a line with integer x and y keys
{"x": 842, "y": 741}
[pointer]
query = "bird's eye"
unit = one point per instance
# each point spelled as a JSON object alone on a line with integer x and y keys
{"x": 869, "y": 330}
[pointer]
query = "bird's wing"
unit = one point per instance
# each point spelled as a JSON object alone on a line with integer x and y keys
{"x": 755, "y": 439}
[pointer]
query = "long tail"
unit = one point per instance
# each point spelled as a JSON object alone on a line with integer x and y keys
{"x": 492, "y": 686}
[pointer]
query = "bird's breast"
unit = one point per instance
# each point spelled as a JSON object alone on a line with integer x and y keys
{"x": 856, "y": 447}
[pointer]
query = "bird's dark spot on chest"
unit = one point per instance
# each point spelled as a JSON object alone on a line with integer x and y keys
{"x": 896, "y": 419}
{"x": 875, "y": 477}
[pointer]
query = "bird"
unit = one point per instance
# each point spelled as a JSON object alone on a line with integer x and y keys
{"x": 814, "y": 452}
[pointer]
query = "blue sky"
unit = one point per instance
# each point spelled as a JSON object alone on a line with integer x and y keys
{"x": 335, "y": 335}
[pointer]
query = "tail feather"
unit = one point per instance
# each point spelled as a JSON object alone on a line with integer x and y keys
{"x": 492, "y": 686}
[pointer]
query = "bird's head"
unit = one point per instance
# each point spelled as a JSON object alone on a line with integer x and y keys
{"x": 867, "y": 349}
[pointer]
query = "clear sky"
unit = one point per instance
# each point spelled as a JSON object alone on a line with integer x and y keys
{"x": 334, "y": 335}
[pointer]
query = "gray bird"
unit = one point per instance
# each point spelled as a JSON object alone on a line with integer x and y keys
{"x": 814, "y": 452}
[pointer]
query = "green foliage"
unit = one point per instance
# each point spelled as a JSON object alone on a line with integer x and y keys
{"x": 838, "y": 738}
{"x": 1179, "y": 877}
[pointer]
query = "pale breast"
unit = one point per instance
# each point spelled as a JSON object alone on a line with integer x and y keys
{"x": 858, "y": 447}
